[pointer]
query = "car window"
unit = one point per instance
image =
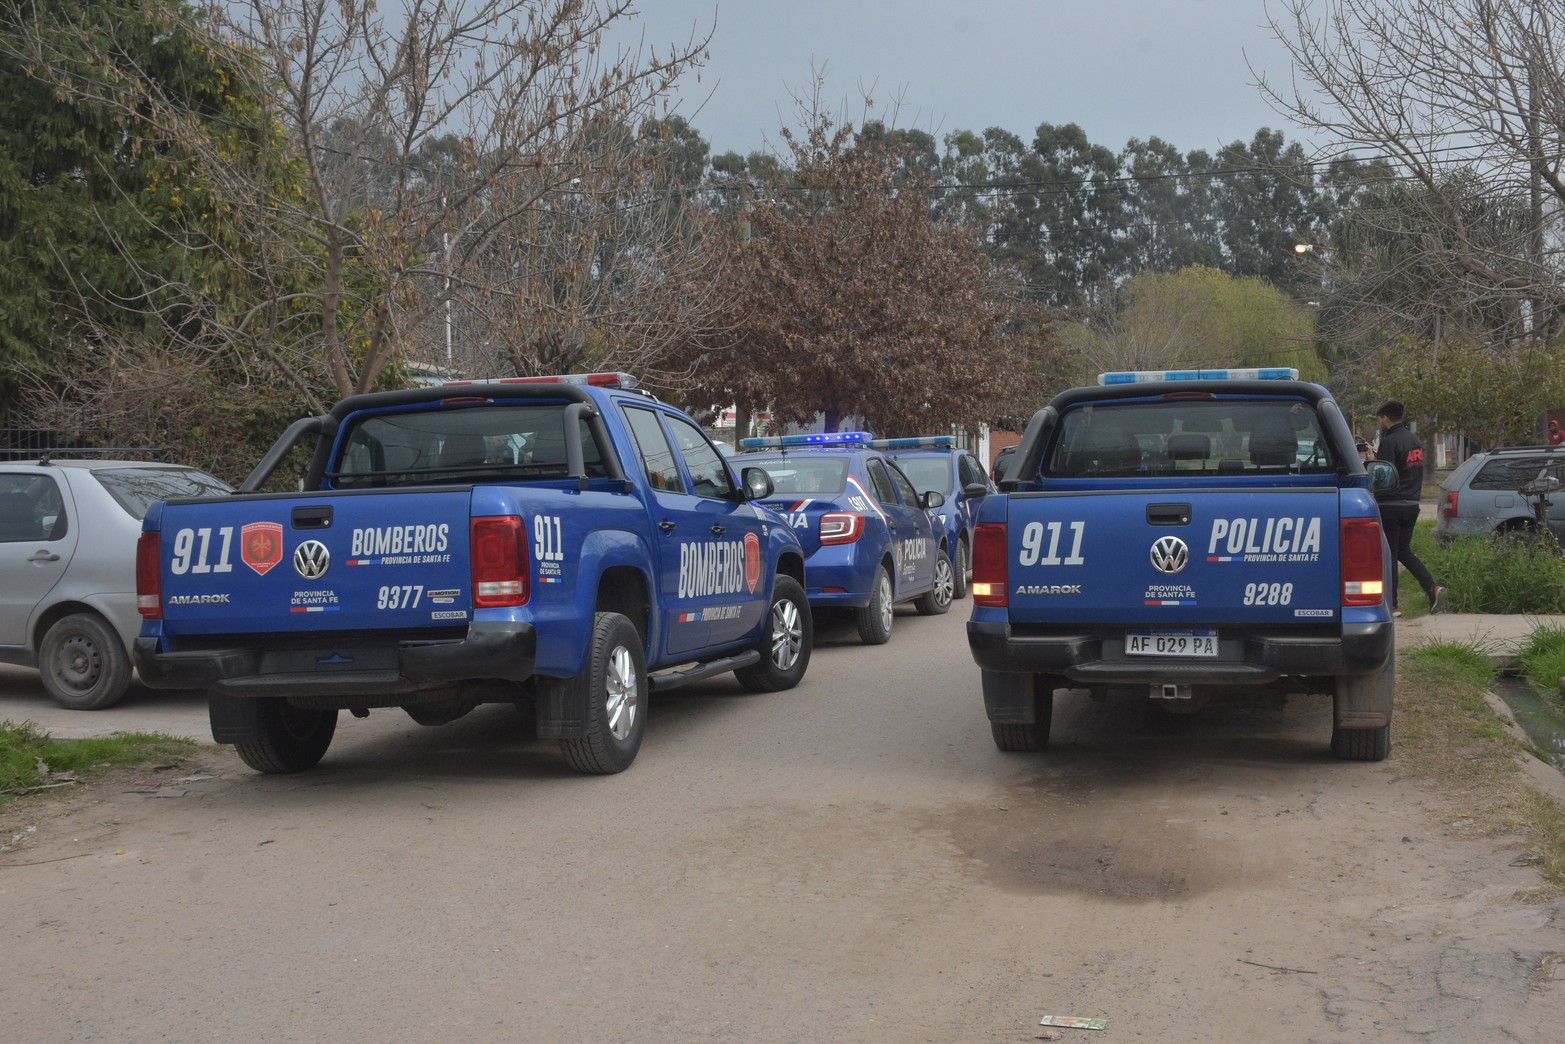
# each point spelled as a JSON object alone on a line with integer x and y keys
{"x": 657, "y": 456}
{"x": 1203, "y": 435}
{"x": 971, "y": 471}
{"x": 709, "y": 476}
{"x": 802, "y": 474}
{"x": 885, "y": 492}
{"x": 1507, "y": 473}
{"x": 443, "y": 445}
{"x": 31, "y": 508}
{"x": 137, "y": 489}
{"x": 927, "y": 473}
{"x": 904, "y": 487}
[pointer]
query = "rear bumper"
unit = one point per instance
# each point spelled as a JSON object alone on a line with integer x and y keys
{"x": 491, "y": 650}
{"x": 1089, "y": 657}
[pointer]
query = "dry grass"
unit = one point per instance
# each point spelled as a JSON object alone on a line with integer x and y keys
{"x": 1448, "y": 735}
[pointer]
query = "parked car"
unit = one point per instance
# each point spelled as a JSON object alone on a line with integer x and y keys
{"x": 934, "y": 463}
{"x": 68, "y": 531}
{"x": 1482, "y": 495}
{"x": 870, "y": 539}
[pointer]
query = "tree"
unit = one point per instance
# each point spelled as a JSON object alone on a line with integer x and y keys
{"x": 1434, "y": 86}
{"x": 1197, "y": 317}
{"x": 428, "y": 145}
{"x": 849, "y": 300}
{"x": 88, "y": 192}
{"x": 1493, "y": 397}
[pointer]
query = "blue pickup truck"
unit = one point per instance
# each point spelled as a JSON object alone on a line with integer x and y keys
{"x": 546, "y": 542}
{"x": 1186, "y": 534}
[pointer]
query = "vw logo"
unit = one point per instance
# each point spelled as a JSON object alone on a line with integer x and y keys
{"x": 1170, "y": 555}
{"x": 310, "y": 559}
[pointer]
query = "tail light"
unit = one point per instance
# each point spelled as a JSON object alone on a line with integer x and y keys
{"x": 149, "y": 575}
{"x": 989, "y": 565}
{"x": 1363, "y": 567}
{"x": 498, "y": 549}
{"x": 1448, "y": 503}
{"x": 841, "y": 527}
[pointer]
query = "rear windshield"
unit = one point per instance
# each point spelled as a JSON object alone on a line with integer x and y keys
{"x": 137, "y": 489}
{"x": 1216, "y": 436}
{"x": 462, "y": 445}
{"x": 816, "y": 475}
{"x": 927, "y": 473}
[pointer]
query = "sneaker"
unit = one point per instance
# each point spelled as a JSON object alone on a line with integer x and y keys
{"x": 1437, "y": 601}
{"x": 1396, "y": 612}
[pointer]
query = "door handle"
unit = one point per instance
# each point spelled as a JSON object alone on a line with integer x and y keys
{"x": 43, "y": 556}
{"x": 666, "y": 526}
{"x": 719, "y": 530}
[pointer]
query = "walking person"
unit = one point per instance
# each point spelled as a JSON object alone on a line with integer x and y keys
{"x": 1399, "y": 505}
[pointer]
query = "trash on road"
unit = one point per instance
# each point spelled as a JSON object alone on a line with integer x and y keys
{"x": 1074, "y": 1022}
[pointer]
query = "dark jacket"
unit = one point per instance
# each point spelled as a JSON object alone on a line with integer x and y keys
{"x": 1401, "y": 447}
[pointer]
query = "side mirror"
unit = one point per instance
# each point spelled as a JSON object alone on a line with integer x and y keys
{"x": 1382, "y": 475}
{"x": 933, "y": 499}
{"x": 975, "y": 489}
{"x": 757, "y": 483}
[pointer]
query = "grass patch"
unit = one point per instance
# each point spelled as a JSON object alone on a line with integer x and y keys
{"x": 1542, "y": 658}
{"x": 1447, "y": 732}
{"x": 1490, "y": 574}
{"x": 30, "y": 758}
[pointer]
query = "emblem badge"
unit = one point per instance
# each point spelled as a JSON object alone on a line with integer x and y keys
{"x": 311, "y": 559}
{"x": 261, "y": 545}
{"x": 1170, "y": 555}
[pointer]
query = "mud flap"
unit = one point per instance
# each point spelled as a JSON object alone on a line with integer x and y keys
{"x": 233, "y": 720}
{"x": 561, "y": 710}
{"x": 1009, "y": 697}
{"x": 1364, "y": 701}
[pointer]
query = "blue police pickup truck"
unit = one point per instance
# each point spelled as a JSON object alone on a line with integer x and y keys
{"x": 1186, "y": 534}
{"x": 548, "y": 542}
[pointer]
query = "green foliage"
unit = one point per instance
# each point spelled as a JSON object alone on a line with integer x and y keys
{"x": 1453, "y": 665}
{"x": 1492, "y": 574}
{"x": 1542, "y": 658}
{"x": 1199, "y": 316}
{"x": 28, "y": 756}
{"x": 1493, "y": 396}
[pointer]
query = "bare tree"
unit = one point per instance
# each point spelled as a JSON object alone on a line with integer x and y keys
{"x": 1466, "y": 100}
{"x": 405, "y": 168}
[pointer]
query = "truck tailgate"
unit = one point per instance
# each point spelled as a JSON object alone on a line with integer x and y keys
{"x": 1182, "y": 557}
{"x": 329, "y": 561}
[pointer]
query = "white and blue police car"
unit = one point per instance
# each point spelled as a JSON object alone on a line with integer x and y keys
{"x": 870, "y": 538}
{"x": 934, "y": 463}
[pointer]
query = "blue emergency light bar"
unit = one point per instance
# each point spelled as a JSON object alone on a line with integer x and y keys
{"x": 624, "y": 381}
{"x": 829, "y": 438}
{"x": 1259, "y": 373}
{"x": 914, "y": 442}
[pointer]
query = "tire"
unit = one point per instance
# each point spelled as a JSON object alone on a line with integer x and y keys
{"x": 83, "y": 663}
{"x": 613, "y": 689}
{"x": 290, "y": 739}
{"x": 1025, "y": 738}
{"x": 961, "y": 568}
{"x": 1361, "y": 744}
{"x": 875, "y": 618}
{"x": 785, "y": 648}
{"x": 1373, "y": 692}
{"x": 937, "y": 600}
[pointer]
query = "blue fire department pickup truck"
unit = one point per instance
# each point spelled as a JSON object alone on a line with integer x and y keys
{"x": 547, "y": 542}
{"x": 1186, "y": 534}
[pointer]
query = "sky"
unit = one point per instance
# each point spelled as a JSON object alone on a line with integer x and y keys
{"x": 1121, "y": 69}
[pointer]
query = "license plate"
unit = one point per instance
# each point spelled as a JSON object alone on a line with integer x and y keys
{"x": 1171, "y": 643}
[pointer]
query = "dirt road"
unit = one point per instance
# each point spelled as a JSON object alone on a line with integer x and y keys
{"x": 852, "y": 861}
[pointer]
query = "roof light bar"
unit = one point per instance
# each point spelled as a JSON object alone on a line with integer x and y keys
{"x": 1254, "y": 373}
{"x": 597, "y": 380}
{"x": 914, "y": 442}
{"x": 829, "y": 438}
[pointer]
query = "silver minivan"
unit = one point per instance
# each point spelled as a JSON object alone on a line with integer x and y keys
{"x": 1483, "y": 494}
